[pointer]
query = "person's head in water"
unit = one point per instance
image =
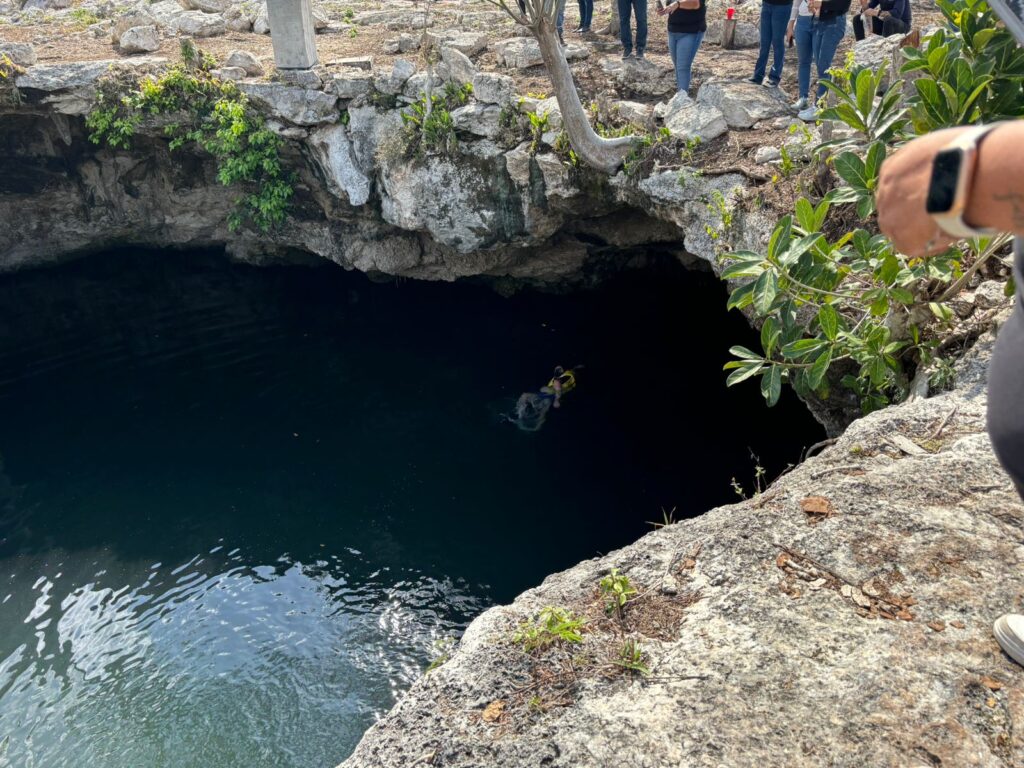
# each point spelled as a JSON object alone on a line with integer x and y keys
{"x": 559, "y": 370}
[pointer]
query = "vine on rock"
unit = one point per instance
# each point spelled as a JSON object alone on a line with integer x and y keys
{"x": 209, "y": 113}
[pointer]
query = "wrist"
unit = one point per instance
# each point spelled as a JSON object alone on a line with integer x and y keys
{"x": 993, "y": 202}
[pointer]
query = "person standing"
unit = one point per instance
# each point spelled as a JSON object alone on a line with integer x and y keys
{"x": 935, "y": 190}
{"x": 827, "y": 29}
{"x": 774, "y": 20}
{"x": 686, "y": 27}
{"x": 888, "y": 17}
{"x": 800, "y": 21}
{"x": 639, "y": 9}
{"x": 586, "y": 14}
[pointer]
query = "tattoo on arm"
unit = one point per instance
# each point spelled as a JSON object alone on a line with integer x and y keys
{"x": 1016, "y": 201}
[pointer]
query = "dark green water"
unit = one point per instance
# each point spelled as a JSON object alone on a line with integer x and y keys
{"x": 238, "y": 506}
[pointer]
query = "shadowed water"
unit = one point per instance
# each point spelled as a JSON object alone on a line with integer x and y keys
{"x": 239, "y": 506}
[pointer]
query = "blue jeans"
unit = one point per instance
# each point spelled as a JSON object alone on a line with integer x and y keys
{"x": 586, "y": 13}
{"x": 560, "y": 20}
{"x": 805, "y": 53}
{"x": 683, "y": 47}
{"x": 826, "y": 38}
{"x": 639, "y": 7}
{"x": 774, "y": 20}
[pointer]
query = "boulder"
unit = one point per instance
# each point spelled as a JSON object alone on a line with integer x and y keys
{"x": 228, "y": 73}
{"x": 633, "y": 112}
{"x": 767, "y": 154}
{"x": 199, "y": 24}
{"x": 460, "y": 68}
{"x": 70, "y": 89}
{"x": 246, "y": 60}
{"x": 467, "y": 43}
{"x": 687, "y": 119}
{"x": 165, "y": 12}
{"x": 642, "y": 78}
{"x": 333, "y": 151}
{"x": 207, "y": 6}
{"x": 293, "y": 104}
{"x": 320, "y": 19}
{"x": 875, "y": 50}
{"x": 349, "y": 84}
{"x": 990, "y": 294}
{"x": 356, "y": 62}
{"x": 492, "y": 88}
{"x": 747, "y": 35}
{"x": 261, "y": 24}
{"x": 139, "y": 40}
{"x": 393, "y": 82}
{"x": 478, "y": 119}
{"x": 22, "y": 54}
{"x": 742, "y": 103}
{"x": 46, "y": 5}
{"x": 524, "y": 52}
{"x": 237, "y": 18}
{"x": 416, "y": 86}
{"x": 550, "y": 108}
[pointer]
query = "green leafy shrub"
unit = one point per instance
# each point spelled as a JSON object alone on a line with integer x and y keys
{"x": 431, "y": 131}
{"x": 211, "y": 114}
{"x": 550, "y": 627}
{"x": 837, "y": 299}
{"x": 633, "y": 658}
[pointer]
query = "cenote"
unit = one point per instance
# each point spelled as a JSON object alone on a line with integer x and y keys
{"x": 239, "y": 506}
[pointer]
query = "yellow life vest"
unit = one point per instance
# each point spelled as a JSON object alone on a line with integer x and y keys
{"x": 567, "y": 379}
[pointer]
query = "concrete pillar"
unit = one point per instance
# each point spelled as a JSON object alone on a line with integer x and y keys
{"x": 291, "y": 31}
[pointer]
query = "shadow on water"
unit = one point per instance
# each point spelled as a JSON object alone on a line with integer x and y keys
{"x": 280, "y": 486}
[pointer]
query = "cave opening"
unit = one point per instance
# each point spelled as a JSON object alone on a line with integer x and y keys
{"x": 240, "y": 506}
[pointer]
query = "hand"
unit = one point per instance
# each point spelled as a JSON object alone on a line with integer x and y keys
{"x": 790, "y": 32}
{"x": 902, "y": 191}
{"x": 663, "y": 11}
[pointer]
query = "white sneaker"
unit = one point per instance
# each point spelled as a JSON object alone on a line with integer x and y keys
{"x": 1009, "y": 632}
{"x": 799, "y": 104}
{"x": 809, "y": 115}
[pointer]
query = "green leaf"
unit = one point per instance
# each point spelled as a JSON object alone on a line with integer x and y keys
{"x": 765, "y": 289}
{"x": 780, "y": 238}
{"x": 745, "y": 353}
{"x": 741, "y": 297}
{"x": 744, "y": 373}
{"x": 769, "y": 336}
{"x": 802, "y": 348}
{"x": 816, "y": 373}
{"x": 828, "y": 319}
{"x": 851, "y": 169}
{"x": 741, "y": 269}
{"x": 941, "y": 311}
{"x": 805, "y": 215}
{"x": 771, "y": 385}
{"x": 902, "y": 295}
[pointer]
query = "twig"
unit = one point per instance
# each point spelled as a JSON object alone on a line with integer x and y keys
{"x": 994, "y": 245}
{"x": 945, "y": 421}
{"x": 753, "y": 176}
{"x": 819, "y": 446}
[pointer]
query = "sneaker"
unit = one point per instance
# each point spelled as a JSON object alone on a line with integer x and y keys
{"x": 1009, "y": 632}
{"x": 772, "y": 83}
{"x": 640, "y": 54}
{"x": 753, "y": 80}
{"x": 800, "y": 104}
{"x": 626, "y": 55}
{"x": 809, "y": 115}
{"x": 561, "y": 39}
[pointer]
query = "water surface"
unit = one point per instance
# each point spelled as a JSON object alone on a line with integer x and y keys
{"x": 239, "y": 506}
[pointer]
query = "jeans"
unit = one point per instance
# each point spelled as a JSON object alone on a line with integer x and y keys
{"x": 586, "y": 14}
{"x": 683, "y": 47}
{"x": 1006, "y": 387}
{"x": 560, "y": 20}
{"x": 639, "y": 7}
{"x": 804, "y": 52}
{"x": 774, "y": 20}
{"x": 826, "y": 36}
{"x": 886, "y": 27}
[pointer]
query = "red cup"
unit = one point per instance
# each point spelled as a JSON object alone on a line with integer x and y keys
{"x": 730, "y": 13}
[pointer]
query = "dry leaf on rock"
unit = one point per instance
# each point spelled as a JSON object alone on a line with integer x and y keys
{"x": 493, "y": 711}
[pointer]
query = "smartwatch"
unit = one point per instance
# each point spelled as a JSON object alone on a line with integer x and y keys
{"x": 950, "y": 186}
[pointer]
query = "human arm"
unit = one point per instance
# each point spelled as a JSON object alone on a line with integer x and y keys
{"x": 996, "y": 199}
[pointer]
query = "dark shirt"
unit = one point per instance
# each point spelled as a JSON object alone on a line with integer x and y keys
{"x": 830, "y": 9}
{"x": 778, "y": 2}
{"x": 688, "y": 20}
{"x": 898, "y": 9}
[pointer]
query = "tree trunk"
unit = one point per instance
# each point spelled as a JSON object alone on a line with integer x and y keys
{"x": 605, "y": 155}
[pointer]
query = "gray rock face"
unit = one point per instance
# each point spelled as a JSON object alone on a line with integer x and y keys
{"x": 687, "y": 119}
{"x": 633, "y": 112}
{"x": 140, "y": 40}
{"x": 294, "y": 104}
{"x": 70, "y": 88}
{"x": 246, "y": 60}
{"x": 22, "y": 54}
{"x": 261, "y": 24}
{"x": 334, "y": 153}
{"x": 460, "y": 68}
{"x": 747, "y": 35}
{"x": 199, "y": 24}
{"x": 742, "y": 103}
{"x": 479, "y": 119}
{"x": 842, "y": 618}
{"x": 351, "y": 83}
{"x": 524, "y": 52}
{"x": 393, "y": 82}
{"x": 550, "y": 108}
{"x": 207, "y": 6}
{"x": 228, "y": 73}
{"x": 165, "y": 12}
{"x": 466, "y": 43}
{"x": 492, "y": 88}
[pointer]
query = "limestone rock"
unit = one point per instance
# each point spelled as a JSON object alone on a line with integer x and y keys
{"x": 334, "y": 153}
{"x": 165, "y": 12}
{"x": 764, "y": 155}
{"x": 46, "y": 5}
{"x": 642, "y": 78}
{"x": 351, "y": 83}
{"x": 356, "y": 62}
{"x": 461, "y": 69}
{"x": 228, "y": 73}
{"x": 199, "y": 24}
{"x": 492, "y": 88}
{"x": 294, "y": 104}
{"x": 206, "y": 6}
{"x": 742, "y": 103}
{"x": 990, "y": 294}
{"x": 239, "y": 18}
{"x": 524, "y": 52}
{"x": 246, "y": 60}
{"x": 633, "y": 112}
{"x": 466, "y": 43}
{"x": 550, "y": 108}
{"x": 747, "y": 35}
{"x": 416, "y": 86}
{"x": 22, "y": 54}
{"x": 140, "y": 40}
{"x": 310, "y": 79}
{"x": 394, "y": 81}
{"x": 686, "y": 119}
{"x": 320, "y": 19}
{"x": 773, "y": 654}
{"x": 479, "y": 119}
{"x": 875, "y": 50}
{"x": 261, "y": 24}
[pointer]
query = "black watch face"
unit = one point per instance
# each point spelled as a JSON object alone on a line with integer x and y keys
{"x": 945, "y": 173}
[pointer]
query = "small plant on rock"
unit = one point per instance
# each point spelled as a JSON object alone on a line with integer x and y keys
{"x": 616, "y": 589}
{"x": 552, "y": 626}
{"x": 633, "y": 658}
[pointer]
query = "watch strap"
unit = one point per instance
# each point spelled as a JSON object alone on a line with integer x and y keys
{"x": 952, "y": 222}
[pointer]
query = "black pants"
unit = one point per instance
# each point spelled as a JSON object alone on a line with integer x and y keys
{"x": 1006, "y": 392}
{"x": 886, "y": 27}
